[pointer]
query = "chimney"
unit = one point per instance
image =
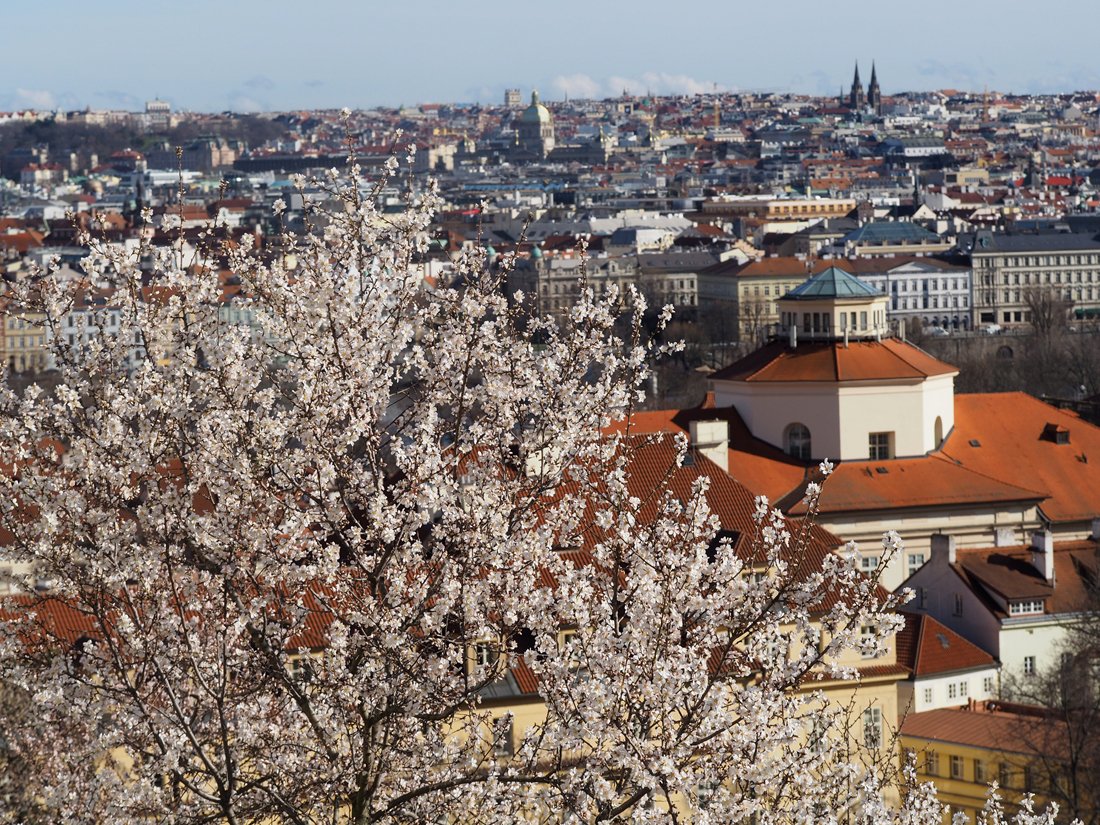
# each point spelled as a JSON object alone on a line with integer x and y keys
{"x": 943, "y": 547}
{"x": 1042, "y": 553}
{"x": 712, "y": 439}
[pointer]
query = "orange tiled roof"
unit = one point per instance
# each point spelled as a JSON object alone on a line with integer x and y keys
{"x": 761, "y": 467}
{"x": 928, "y": 648}
{"x": 1009, "y": 431}
{"x": 997, "y": 726}
{"x": 831, "y": 362}
{"x": 924, "y": 481}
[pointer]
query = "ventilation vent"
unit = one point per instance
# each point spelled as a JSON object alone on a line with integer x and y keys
{"x": 944, "y": 642}
{"x": 975, "y": 442}
{"x": 881, "y": 471}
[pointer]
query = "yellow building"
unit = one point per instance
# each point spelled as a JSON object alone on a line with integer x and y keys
{"x": 747, "y": 293}
{"x": 23, "y": 339}
{"x": 962, "y": 750}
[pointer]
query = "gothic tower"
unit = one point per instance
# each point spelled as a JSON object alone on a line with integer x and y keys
{"x": 856, "y": 99}
{"x": 874, "y": 96}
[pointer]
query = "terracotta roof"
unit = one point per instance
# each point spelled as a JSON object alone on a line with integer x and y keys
{"x": 1002, "y": 435}
{"x": 924, "y": 481}
{"x": 1008, "y": 571}
{"x": 927, "y": 648}
{"x": 996, "y": 726}
{"x": 832, "y": 362}
{"x": 761, "y": 467}
{"x": 22, "y": 241}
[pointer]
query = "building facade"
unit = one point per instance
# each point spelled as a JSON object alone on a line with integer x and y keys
{"x": 1014, "y": 272}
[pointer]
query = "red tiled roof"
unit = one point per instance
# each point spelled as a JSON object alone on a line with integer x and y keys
{"x": 925, "y": 481}
{"x": 996, "y": 726}
{"x": 22, "y": 241}
{"x": 1009, "y": 428}
{"x": 832, "y": 362}
{"x": 927, "y": 648}
{"x": 762, "y": 468}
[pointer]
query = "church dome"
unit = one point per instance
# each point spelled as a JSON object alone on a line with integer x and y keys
{"x": 536, "y": 112}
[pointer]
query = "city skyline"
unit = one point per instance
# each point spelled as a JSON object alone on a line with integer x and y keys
{"x": 252, "y": 56}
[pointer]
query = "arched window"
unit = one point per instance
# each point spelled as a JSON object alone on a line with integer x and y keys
{"x": 796, "y": 441}
{"x": 937, "y": 436}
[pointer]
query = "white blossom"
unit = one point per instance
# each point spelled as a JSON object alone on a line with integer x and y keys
{"x": 294, "y": 566}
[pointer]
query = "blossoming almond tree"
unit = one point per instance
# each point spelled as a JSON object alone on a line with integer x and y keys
{"x": 286, "y": 564}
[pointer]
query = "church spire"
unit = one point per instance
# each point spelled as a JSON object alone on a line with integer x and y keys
{"x": 874, "y": 95}
{"x": 856, "y": 99}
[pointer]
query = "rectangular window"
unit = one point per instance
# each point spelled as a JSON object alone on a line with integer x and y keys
{"x": 867, "y": 641}
{"x": 879, "y": 446}
{"x": 928, "y": 696}
{"x": 503, "y": 746}
{"x": 872, "y": 728}
{"x": 1025, "y": 608}
{"x": 964, "y": 689}
{"x": 485, "y": 654}
{"x": 932, "y": 763}
{"x": 1029, "y": 666}
{"x": 952, "y": 691}
{"x": 979, "y": 771}
{"x": 987, "y": 685}
{"x": 869, "y": 564}
{"x": 863, "y": 320}
{"x": 958, "y": 604}
{"x": 956, "y": 767}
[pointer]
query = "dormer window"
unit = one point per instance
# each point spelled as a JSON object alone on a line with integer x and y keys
{"x": 1056, "y": 433}
{"x": 1026, "y": 607}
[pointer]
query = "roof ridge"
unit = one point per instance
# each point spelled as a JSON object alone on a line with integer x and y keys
{"x": 923, "y": 351}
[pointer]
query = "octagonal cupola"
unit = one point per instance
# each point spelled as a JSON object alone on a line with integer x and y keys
{"x": 835, "y": 384}
{"x": 833, "y": 306}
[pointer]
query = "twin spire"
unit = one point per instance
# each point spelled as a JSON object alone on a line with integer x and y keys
{"x": 857, "y": 100}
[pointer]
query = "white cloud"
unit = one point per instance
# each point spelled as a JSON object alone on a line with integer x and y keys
{"x": 659, "y": 83}
{"x": 244, "y": 104}
{"x": 677, "y": 84}
{"x": 577, "y": 85}
{"x": 34, "y": 99}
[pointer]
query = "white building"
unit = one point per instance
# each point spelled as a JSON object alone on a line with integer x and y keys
{"x": 945, "y": 669}
{"x": 1014, "y": 602}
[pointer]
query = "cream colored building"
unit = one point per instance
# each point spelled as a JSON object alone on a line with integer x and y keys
{"x": 23, "y": 340}
{"x": 779, "y": 209}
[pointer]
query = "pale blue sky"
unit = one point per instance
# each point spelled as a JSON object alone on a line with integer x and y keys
{"x": 211, "y": 55}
